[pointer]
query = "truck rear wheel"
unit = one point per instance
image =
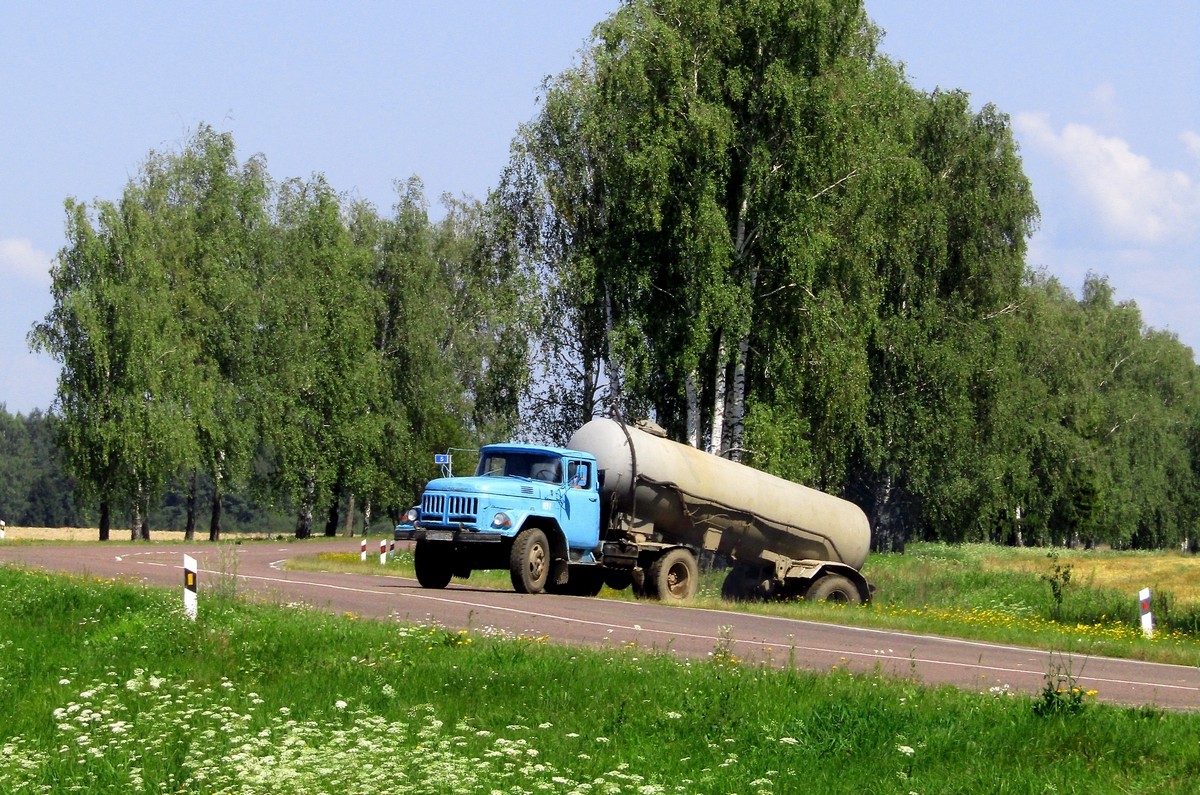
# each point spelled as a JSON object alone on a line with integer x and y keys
{"x": 433, "y": 565}
{"x": 833, "y": 588}
{"x": 529, "y": 563}
{"x": 674, "y": 577}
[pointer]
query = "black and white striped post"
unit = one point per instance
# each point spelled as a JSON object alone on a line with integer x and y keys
{"x": 189, "y": 587}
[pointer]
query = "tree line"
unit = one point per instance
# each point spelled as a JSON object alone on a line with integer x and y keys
{"x": 273, "y": 337}
{"x": 737, "y": 218}
{"x": 36, "y": 491}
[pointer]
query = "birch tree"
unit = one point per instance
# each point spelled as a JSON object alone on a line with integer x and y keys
{"x": 318, "y": 372}
{"x": 123, "y": 423}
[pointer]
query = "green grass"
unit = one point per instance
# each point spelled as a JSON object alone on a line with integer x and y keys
{"x": 106, "y": 687}
{"x": 975, "y": 591}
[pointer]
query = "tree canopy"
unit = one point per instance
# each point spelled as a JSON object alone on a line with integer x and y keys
{"x": 787, "y": 254}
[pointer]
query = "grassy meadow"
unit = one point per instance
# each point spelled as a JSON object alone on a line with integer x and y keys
{"x": 105, "y": 688}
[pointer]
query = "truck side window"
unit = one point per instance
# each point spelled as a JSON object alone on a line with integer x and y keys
{"x": 579, "y": 474}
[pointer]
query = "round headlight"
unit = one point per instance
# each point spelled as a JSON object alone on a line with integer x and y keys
{"x": 501, "y": 521}
{"x": 412, "y": 515}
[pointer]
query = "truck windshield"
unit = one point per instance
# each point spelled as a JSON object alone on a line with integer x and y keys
{"x": 535, "y": 466}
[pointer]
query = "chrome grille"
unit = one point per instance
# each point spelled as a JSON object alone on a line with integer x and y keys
{"x": 449, "y": 508}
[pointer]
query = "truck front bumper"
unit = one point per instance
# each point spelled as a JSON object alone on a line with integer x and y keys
{"x": 446, "y": 534}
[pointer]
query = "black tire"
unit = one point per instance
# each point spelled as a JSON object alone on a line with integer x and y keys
{"x": 582, "y": 580}
{"x": 738, "y": 586}
{"x": 529, "y": 563}
{"x": 618, "y": 579}
{"x": 833, "y": 588}
{"x": 433, "y": 564}
{"x": 674, "y": 577}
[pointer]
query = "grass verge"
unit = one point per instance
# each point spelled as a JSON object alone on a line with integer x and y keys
{"x": 106, "y": 687}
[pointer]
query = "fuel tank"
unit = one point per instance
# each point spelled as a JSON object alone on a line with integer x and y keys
{"x": 696, "y": 498}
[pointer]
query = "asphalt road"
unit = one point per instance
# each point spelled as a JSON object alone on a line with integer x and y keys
{"x": 685, "y": 632}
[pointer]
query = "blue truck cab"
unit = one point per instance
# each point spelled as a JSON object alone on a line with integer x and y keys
{"x": 531, "y": 509}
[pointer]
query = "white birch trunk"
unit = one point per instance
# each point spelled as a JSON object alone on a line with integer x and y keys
{"x": 693, "y": 409}
{"x": 135, "y": 520}
{"x": 737, "y": 398}
{"x": 616, "y": 409}
{"x": 737, "y": 402}
{"x": 716, "y": 444}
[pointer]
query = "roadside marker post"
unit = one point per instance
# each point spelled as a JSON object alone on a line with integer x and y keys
{"x": 1147, "y": 616}
{"x": 392, "y": 550}
{"x": 382, "y": 551}
{"x": 189, "y": 587}
{"x": 364, "y": 551}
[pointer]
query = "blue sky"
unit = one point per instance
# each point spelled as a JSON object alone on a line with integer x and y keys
{"x": 1104, "y": 97}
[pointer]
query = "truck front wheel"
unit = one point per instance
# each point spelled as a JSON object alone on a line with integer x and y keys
{"x": 529, "y": 563}
{"x": 833, "y": 588}
{"x": 674, "y": 577}
{"x": 433, "y": 565}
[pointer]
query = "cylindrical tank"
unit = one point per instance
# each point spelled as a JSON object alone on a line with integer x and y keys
{"x": 693, "y": 497}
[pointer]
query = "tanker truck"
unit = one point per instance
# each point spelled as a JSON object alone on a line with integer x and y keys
{"x": 626, "y": 507}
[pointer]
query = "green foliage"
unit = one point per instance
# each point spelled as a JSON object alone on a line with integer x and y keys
{"x": 1058, "y": 580}
{"x": 1062, "y": 696}
{"x": 34, "y": 489}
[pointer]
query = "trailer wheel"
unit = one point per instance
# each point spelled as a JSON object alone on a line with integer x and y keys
{"x": 833, "y": 588}
{"x": 739, "y": 585}
{"x": 674, "y": 577}
{"x": 529, "y": 563}
{"x": 433, "y": 565}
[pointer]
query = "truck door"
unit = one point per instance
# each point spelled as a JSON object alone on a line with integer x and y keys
{"x": 582, "y": 498}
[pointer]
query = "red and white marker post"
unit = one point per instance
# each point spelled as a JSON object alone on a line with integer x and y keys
{"x": 363, "y": 558}
{"x": 1147, "y": 617}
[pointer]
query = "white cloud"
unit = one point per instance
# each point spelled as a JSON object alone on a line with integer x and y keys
{"x": 1137, "y": 202}
{"x": 1191, "y": 142}
{"x": 20, "y": 261}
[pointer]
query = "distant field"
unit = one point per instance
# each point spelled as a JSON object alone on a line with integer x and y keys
{"x": 89, "y": 534}
{"x": 1127, "y": 572}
